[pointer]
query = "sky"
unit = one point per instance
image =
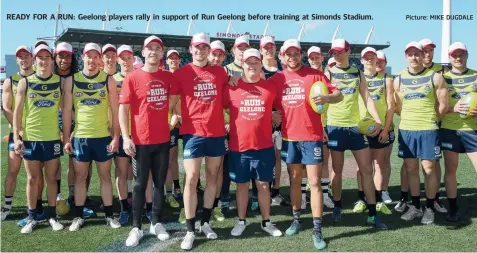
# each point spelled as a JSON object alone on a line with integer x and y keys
{"x": 389, "y": 21}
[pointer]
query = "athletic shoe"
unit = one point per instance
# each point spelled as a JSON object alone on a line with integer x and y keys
{"x": 218, "y": 216}
{"x": 134, "y": 237}
{"x": 113, "y": 222}
{"x": 271, "y": 229}
{"x": 359, "y": 207}
{"x": 327, "y": 201}
{"x": 254, "y": 207}
{"x": 277, "y": 200}
{"x": 149, "y": 215}
{"x": 336, "y": 215}
{"x": 303, "y": 203}
{"x": 76, "y": 224}
{"x": 386, "y": 198}
{"x": 87, "y": 213}
{"x": 452, "y": 217}
{"x": 318, "y": 241}
{"x": 28, "y": 228}
{"x": 124, "y": 217}
{"x": 172, "y": 201}
{"x": 412, "y": 213}
{"x": 182, "y": 217}
{"x": 439, "y": 207}
{"x": 41, "y": 218}
{"x": 56, "y": 225}
{"x": 238, "y": 228}
{"x": 5, "y": 213}
{"x": 381, "y": 207}
{"x": 294, "y": 228}
{"x": 401, "y": 206}
{"x": 188, "y": 241}
{"x": 208, "y": 232}
{"x": 428, "y": 217}
{"x": 159, "y": 231}
{"x": 376, "y": 222}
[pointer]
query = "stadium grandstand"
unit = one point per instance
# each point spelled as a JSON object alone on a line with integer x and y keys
{"x": 78, "y": 38}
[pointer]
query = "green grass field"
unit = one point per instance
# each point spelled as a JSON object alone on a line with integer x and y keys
{"x": 351, "y": 234}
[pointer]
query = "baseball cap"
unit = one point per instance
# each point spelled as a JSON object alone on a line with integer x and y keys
{"x": 108, "y": 47}
{"x": 381, "y": 55}
{"x": 281, "y": 51}
{"x": 138, "y": 62}
{"x": 199, "y": 39}
{"x": 266, "y": 40}
{"x": 413, "y": 44}
{"x": 22, "y": 48}
{"x": 456, "y": 46}
{"x": 291, "y": 43}
{"x": 331, "y": 61}
{"x": 314, "y": 49}
{"x": 172, "y": 52}
{"x": 125, "y": 48}
{"x": 217, "y": 45}
{"x": 368, "y": 50}
{"x": 91, "y": 46}
{"x": 64, "y": 47}
{"x": 41, "y": 42}
{"x": 241, "y": 40}
{"x": 251, "y": 52}
{"x": 41, "y": 47}
{"x": 427, "y": 42}
{"x": 339, "y": 45}
{"x": 152, "y": 38}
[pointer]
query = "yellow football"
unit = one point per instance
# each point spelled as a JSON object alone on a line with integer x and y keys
{"x": 62, "y": 207}
{"x": 471, "y": 100}
{"x": 318, "y": 88}
{"x": 366, "y": 125}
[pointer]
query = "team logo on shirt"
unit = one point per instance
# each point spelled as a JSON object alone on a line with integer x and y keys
{"x": 157, "y": 96}
{"x": 335, "y": 84}
{"x": 102, "y": 93}
{"x": 294, "y": 95}
{"x": 44, "y": 103}
{"x": 428, "y": 88}
{"x": 205, "y": 90}
{"x": 32, "y": 95}
{"x": 78, "y": 94}
{"x": 252, "y": 107}
{"x": 56, "y": 94}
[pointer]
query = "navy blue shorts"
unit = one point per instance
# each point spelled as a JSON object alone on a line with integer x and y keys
{"x": 174, "y": 137}
{"x": 459, "y": 141}
{"x": 42, "y": 151}
{"x": 424, "y": 144}
{"x": 302, "y": 152}
{"x": 375, "y": 144}
{"x": 120, "y": 152}
{"x": 92, "y": 149}
{"x": 252, "y": 164}
{"x": 197, "y": 146}
{"x": 345, "y": 138}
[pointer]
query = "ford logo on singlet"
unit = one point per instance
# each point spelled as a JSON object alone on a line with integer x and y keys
{"x": 90, "y": 101}
{"x": 412, "y": 96}
{"x": 44, "y": 103}
{"x": 348, "y": 90}
{"x": 375, "y": 97}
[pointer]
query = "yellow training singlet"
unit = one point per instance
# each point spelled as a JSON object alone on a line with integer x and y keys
{"x": 458, "y": 86}
{"x": 40, "y": 111}
{"x": 14, "y": 79}
{"x": 233, "y": 69}
{"x": 91, "y": 103}
{"x": 438, "y": 68}
{"x": 377, "y": 90}
{"x": 417, "y": 94}
{"x": 346, "y": 112}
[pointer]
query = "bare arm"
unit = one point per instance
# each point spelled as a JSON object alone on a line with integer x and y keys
{"x": 18, "y": 112}
{"x": 397, "y": 99}
{"x": 114, "y": 105}
{"x": 173, "y": 101}
{"x": 441, "y": 95}
{"x": 334, "y": 97}
{"x": 67, "y": 110}
{"x": 390, "y": 102}
{"x": 124, "y": 120}
{"x": 7, "y": 101}
{"x": 370, "y": 105}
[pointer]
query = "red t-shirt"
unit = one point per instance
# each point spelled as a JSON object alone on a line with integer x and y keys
{"x": 201, "y": 91}
{"x": 299, "y": 121}
{"x": 148, "y": 97}
{"x": 250, "y": 109}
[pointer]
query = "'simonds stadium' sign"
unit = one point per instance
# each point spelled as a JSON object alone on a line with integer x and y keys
{"x": 236, "y": 35}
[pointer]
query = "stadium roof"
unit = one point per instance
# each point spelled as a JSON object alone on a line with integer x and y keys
{"x": 76, "y": 35}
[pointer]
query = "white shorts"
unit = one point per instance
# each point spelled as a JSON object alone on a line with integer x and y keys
{"x": 277, "y": 140}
